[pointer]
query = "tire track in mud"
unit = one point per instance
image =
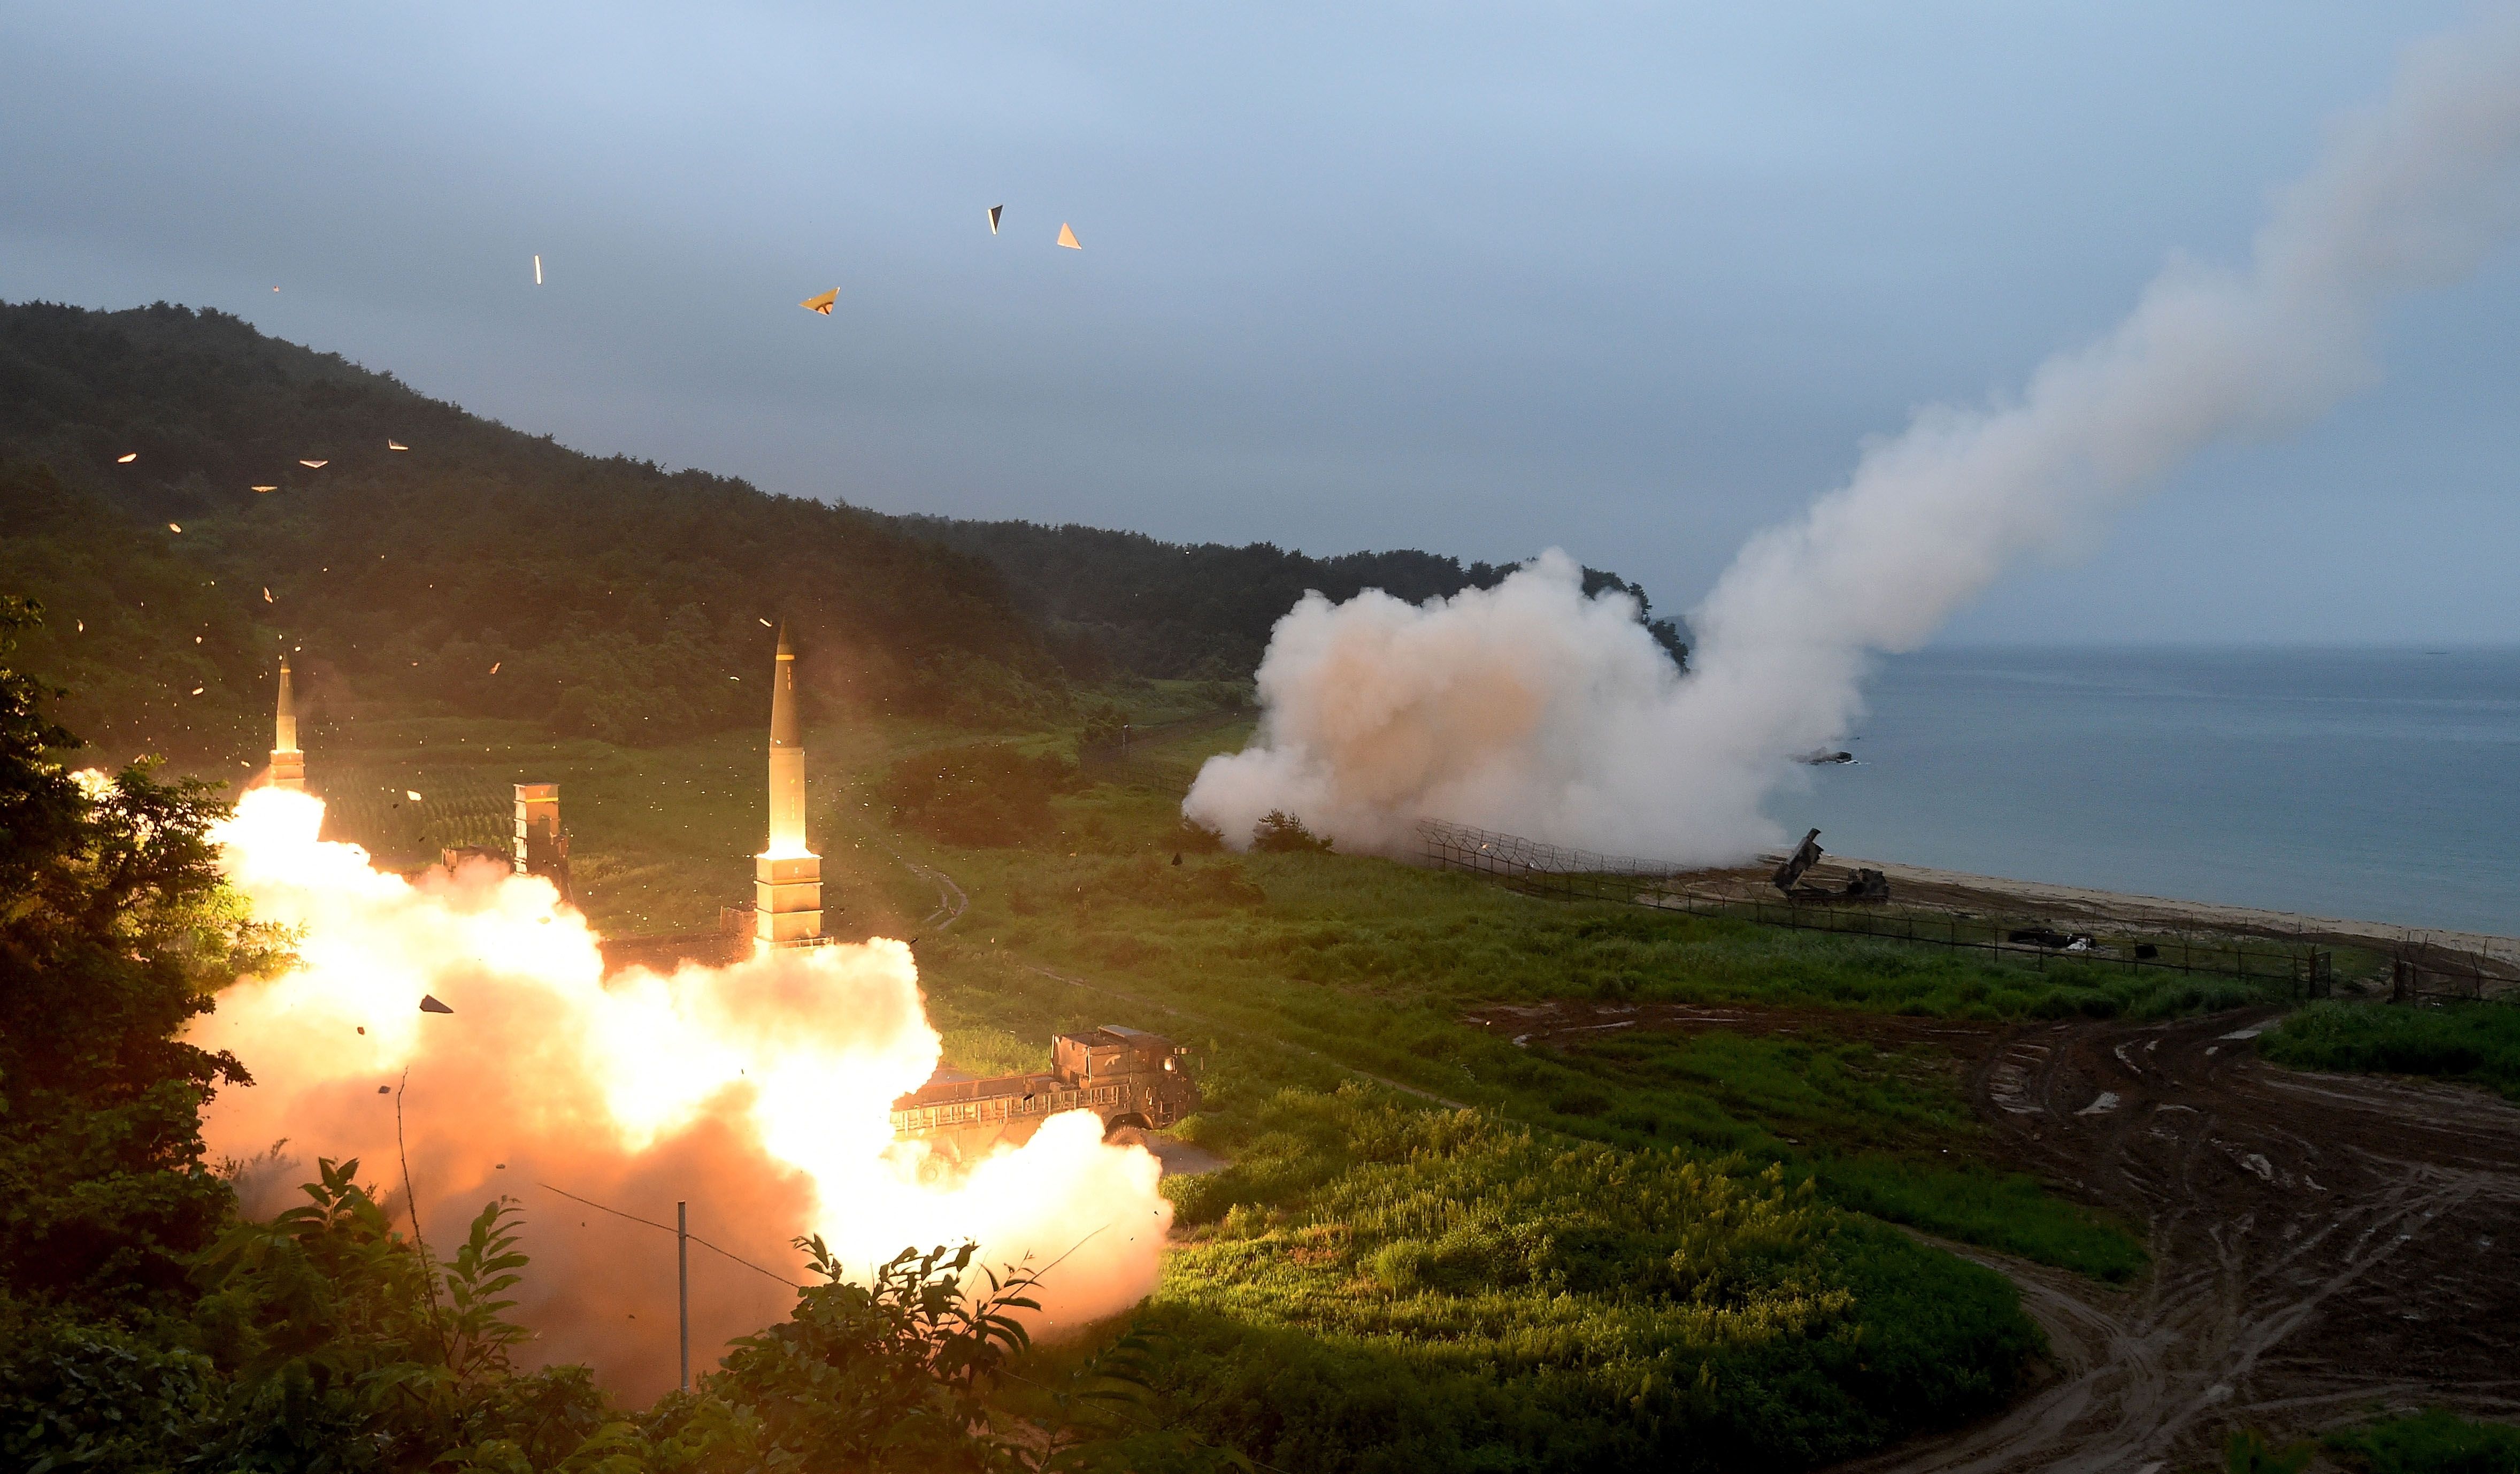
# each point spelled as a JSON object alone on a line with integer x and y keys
{"x": 2322, "y": 1244}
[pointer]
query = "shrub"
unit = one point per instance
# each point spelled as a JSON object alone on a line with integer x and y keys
{"x": 1104, "y": 721}
{"x": 1279, "y": 833}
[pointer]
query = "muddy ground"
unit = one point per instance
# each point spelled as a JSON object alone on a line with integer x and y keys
{"x": 2323, "y": 1245}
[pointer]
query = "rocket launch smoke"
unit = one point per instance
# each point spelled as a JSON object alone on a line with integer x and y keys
{"x": 1531, "y": 709}
{"x": 758, "y": 1091}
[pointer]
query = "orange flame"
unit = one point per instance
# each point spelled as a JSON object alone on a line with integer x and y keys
{"x": 759, "y": 1092}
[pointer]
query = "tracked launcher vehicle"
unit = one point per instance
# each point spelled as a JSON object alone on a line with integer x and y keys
{"x": 1126, "y": 1077}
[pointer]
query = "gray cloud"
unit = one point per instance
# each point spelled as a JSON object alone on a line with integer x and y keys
{"x": 1631, "y": 280}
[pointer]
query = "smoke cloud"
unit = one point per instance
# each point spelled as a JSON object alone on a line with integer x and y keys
{"x": 1531, "y": 709}
{"x": 759, "y": 1093}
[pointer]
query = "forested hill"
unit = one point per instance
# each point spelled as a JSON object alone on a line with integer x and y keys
{"x": 481, "y": 571}
{"x": 485, "y": 571}
{"x": 1156, "y": 609}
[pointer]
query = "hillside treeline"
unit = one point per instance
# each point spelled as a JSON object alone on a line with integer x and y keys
{"x": 486, "y": 572}
{"x": 482, "y": 571}
{"x": 1125, "y": 602}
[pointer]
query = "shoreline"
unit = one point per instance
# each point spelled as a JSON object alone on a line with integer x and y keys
{"x": 1917, "y": 887}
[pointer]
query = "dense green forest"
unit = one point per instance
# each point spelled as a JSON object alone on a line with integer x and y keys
{"x": 1203, "y": 611}
{"x": 483, "y": 571}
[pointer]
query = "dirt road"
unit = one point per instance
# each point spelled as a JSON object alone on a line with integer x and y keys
{"x": 2321, "y": 1243}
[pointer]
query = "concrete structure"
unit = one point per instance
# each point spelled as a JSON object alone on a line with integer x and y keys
{"x": 288, "y": 762}
{"x": 787, "y": 877}
{"x": 542, "y": 845}
{"x": 1127, "y": 1077}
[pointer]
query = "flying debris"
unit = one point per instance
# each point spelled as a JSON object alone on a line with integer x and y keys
{"x": 821, "y": 301}
{"x": 396, "y": 445}
{"x": 428, "y": 1004}
{"x": 198, "y": 690}
{"x": 538, "y": 270}
{"x": 126, "y": 460}
{"x": 995, "y": 211}
{"x": 383, "y": 1090}
{"x": 1823, "y": 758}
{"x": 494, "y": 666}
{"x": 765, "y": 624}
{"x": 174, "y": 526}
{"x": 315, "y": 465}
{"x": 266, "y": 595}
{"x": 1067, "y": 237}
{"x": 266, "y": 488}
{"x": 414, "y": 797}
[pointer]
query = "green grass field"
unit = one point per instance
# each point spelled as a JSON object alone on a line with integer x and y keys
{"x": 1379, "y": 1281}
{"x": 2477, "y": 1042}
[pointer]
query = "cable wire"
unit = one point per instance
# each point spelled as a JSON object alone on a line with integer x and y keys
{"x": 670, "y": 1229}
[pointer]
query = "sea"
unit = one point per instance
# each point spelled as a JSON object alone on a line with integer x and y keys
{"x": 2373, "y": 784}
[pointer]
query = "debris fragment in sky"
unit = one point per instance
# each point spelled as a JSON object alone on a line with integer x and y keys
{"x": 995, "y": 211}
{"x": 538, "y": 269}
{"x": 266, "y": 488}
{"x": 266, "y": 595}
{"x": 198, "y": 690}
{"x": 765, "y": 624}
{"x": 392, "y": 444}
{"x": 315, "y": 465}
{"x": 821, "y": 301}
{"x": 1067, "y": 237}
{"x": 174, "y": 526}
{"x": 428, "y": 1004}
{"x": 126, "y": 460}
{"x": 414, "y": 797}
{"x": 494, "y": 666}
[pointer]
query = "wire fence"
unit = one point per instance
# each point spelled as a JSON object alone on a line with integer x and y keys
{"x": 1535, "y": 868}
{"x": 2425, "y": 971}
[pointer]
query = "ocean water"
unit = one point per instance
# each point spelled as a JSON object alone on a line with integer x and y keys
{"x": 2375, "y": 785}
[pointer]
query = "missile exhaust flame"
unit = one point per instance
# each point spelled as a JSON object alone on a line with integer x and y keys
{"x": 758, "y": 1090}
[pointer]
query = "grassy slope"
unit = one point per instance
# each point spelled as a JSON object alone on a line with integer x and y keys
{"x": 2477, "y": 1042}
{"x": 2432, "y": 1442}
{"x": 1296, "y": 973}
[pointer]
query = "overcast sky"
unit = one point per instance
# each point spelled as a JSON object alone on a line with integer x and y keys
{"x": 1631, "y": 279}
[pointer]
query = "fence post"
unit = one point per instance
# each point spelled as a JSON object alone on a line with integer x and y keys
{"x": 683, "y": 1282}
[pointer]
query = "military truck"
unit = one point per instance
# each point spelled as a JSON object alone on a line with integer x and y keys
{"x": 1126, "y": 1077}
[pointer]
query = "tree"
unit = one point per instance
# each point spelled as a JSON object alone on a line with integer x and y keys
{"x": 114, "y": 931}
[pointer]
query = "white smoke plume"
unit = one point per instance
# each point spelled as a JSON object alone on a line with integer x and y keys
{"x": 1531, "y": 709}
{"x": 759, "y": 1093}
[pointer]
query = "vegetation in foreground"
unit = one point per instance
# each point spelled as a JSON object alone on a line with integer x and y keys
{"x": 2431, "y": 1442}
{"x": 2476, "y": 1042}
{"x": 143, "y": 1327}
{"x": 1372, "y": 1286}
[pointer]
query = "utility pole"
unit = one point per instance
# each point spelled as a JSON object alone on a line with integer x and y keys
{"x": 683, "y": 1275}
